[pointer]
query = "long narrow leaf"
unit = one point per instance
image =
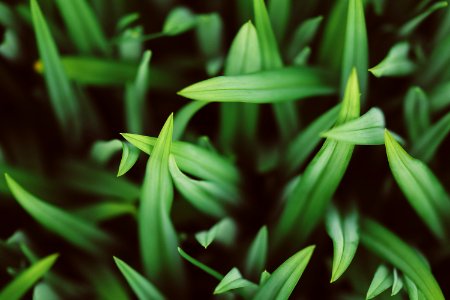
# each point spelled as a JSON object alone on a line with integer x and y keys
{"x": 256, "y": 259}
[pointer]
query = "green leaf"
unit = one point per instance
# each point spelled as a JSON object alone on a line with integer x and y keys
{"x": 428, "y": 143}
{"x": 396, "y": 63}
{"x": 284, "y": 279}
{"x": 135, "y": 96}
{"x": 412, "y": 24}
{"x": 224, "y": 232}
{"x": 102, "y": 151}
{"x": 209, "y": 35}
{"x": 365, "y": 130}
{"x": 397, "y": 283}
{"x": 256, "y": 258}
{"x": 284, "y": 84}
{"x": 130, "y": 155}
{"x": 200, "y": 265}
{"x": 303, "y": 36}
{"x": 205, "y": 196}
{"x": 104, "y": 211}
{"x": 264, "y": 277}
{"x": 355, "y": 51}
{"x": 62, "y": 94}
{"x": 413, "y": 292}
{"x": 138, "y": 283}
{"x": 307, "y": 203}
{"x": 279, "y": 11}
{"x": 17, "y": 288}
{"x": 301, "y": 59}
{"x": 157, "y": 235}
{"x": 388, "y": 246}
{"x": 232, "y": 281}
{"x": 382, "y": 280}
{"x": 422, "y": 189}
{"x": 416, "y": 112}
{"x": 183, "y": 116}
{"x": 76, "y": 231}
{"x": 179, "y": 20}
{"x": 43, "y": 291}
{"x": 83, "y": 26}
{"x": 302, "y": 145}
{"x": 345, "y": 236}
{"x": 439, "y": 99}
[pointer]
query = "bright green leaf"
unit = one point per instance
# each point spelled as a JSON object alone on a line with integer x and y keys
{"x": 232, "y": 281}
{"x": 396, "y": 63}
{"x": 382, "y": 280}
{"x": 130, "y": 155}
{"x": 200, "y": 265}
{"x": 416, "y": 112}
{"x": 397, "y": 283}
{"x": 223, "y": 232}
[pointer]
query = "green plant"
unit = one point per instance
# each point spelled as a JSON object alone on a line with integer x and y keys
{"x": 240, "y": 149}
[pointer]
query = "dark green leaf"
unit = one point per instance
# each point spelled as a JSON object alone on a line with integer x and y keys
{"x": 256, "y": 259}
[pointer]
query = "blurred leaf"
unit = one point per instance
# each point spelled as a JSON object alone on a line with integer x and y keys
{"x": 157, "y": 235}
{"x": 279, "y": 11}
{"x": 345, "y": 236}
{"x": 365, "y": 130}
{"x": 388, "y": 246}
{"x": 264, "y": 277}
{"x": 428, "y": 143}
{"x": 301, "y": 59}
{"x": 256, "y": 258}
{"x": 355, "y": 51}
{"x": 307, "y": 203}
{"x": 303, "y": 36}
{"x": 104, "y": 282}
{"x": 127, "y": 20}
{"x": 179, "y": 20}
{"x": 17, "y": 288}
{"x": 285, "y": 84}
{"x": 130, "y": 155}
{"x": 284, "y": 279}
{"x": 135, "y": 96}
{"x": 209, "y": 32}
{"x": 223, "y": 232}
{"x": 232, "y": 281}
{"x": 83, "y": 26}
{"x": 43, "y": 291}
{"x": 412, "y": 24}
{"x": 62, "y": 95}
{"x": 397, "y": 283}
{"x": 439, "y": 99}
{"x": 74, "y": 230}
{"x": 104, "y": 211}
{"x": 381, "y": 281}
{"x": 422, "y": 189}
{"x": 138, "y": 283}
{"x": 102, "y": 151}
{"x": 200, "y": 265}
{"x": 396, "y": 63}
{"x": 413, "y": 292}
{"x": 416, "y": 112}
{"x": 183, "y": 116}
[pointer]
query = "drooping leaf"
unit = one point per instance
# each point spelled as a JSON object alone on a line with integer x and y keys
{"x": 233, "y": 280}
{"x": 396, "y": 63}
{"x": 130, "y": 155}
{"x": 256, "y": 259}
{"x": 422, "y": 189}
{"x": 412, "y": 24}
{"x": 17, "y": 288}
{"x": 138, "y": 283}
{"x": 157, "y": 235}
{"x": 200, "y": 265}
{"x": 355, "y": 51}
{"x": 223, "y": 232}
{"x": 345, "y": 236}
{"x": 307, "y": 203}
{"x": 284, "y": 84}
{"x": 397, "y": 283}
{"x": 284, "y": 279}
{"x": 365, "y": 130}
{"x": 303, "y": 36}
{"x": 382, "y": 280}
{"x": 74, "y": 230}
{"x": 62, "y": 94}
{"x": 102, "y": 151}
{"x": 416, "y": 112}
{"x": 388, "y": 246}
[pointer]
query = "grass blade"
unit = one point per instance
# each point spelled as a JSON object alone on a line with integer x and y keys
{"x": 200, "y": 265}
{"x": 396, "y": 63}
{"x": 223, "y": 232}
{"x": 345, "y": 236}
{"x": 303, "y": 36}
{"x": 183, "y": 116}
{"x": 308, "y": 201}
{"x": 16, "y": 289}
{"x": 105, "y": 211}
{"x": 388, "y": 246}
{"x": 411, "y": 25}
{"x": 157, "y": 235}
{"x": 138, "y": 283}
{"x": 232, "y": 281}
{"x": 130, "y": 155}
{"x": 62, "y": 95}
{"x": 365, "y": 130}
{"x": 397, "y": 283}
{"x": 284, "y": 279}
{"x": 285, "y": 84}
{"x": 416, "y": 112}
{"x": 256, "y": 258}
{"x": 413, "y": 292}
{"x": 74, "y": 230}
{"x": 382, "y": 280}
{"x": 279, "y": 11}
{"x": 422, "y": 189}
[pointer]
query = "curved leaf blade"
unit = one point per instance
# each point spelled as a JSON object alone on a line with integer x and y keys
{"x": 255, "y": 261}
{"x": 382, "y": 280}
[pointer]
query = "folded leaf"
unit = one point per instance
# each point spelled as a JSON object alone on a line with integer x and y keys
{"x": 102, "y": 151}
{"x": 232, "y": 281}
{"x": 224, "y": 232}
{"x": 285, "y": 84}
{"x": 256, "y": 259}
{"x": 345, "y": 236}
{"x": 138, "y": 283}
{"x": 366, "y": 130}
{"x": 284, "y": 279}
{"x": 396, "y": 63}
{"x": 422, "y": 189}
{"x": 130, "y": 155}
{"x": 17, "y": 288}
{"x": 397, "y": 283}
{"x": 382, "y": 280}
{"x": 416, "y": 113}
{"x": 413, "y": 292}
{"x": 388, "y": 246}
